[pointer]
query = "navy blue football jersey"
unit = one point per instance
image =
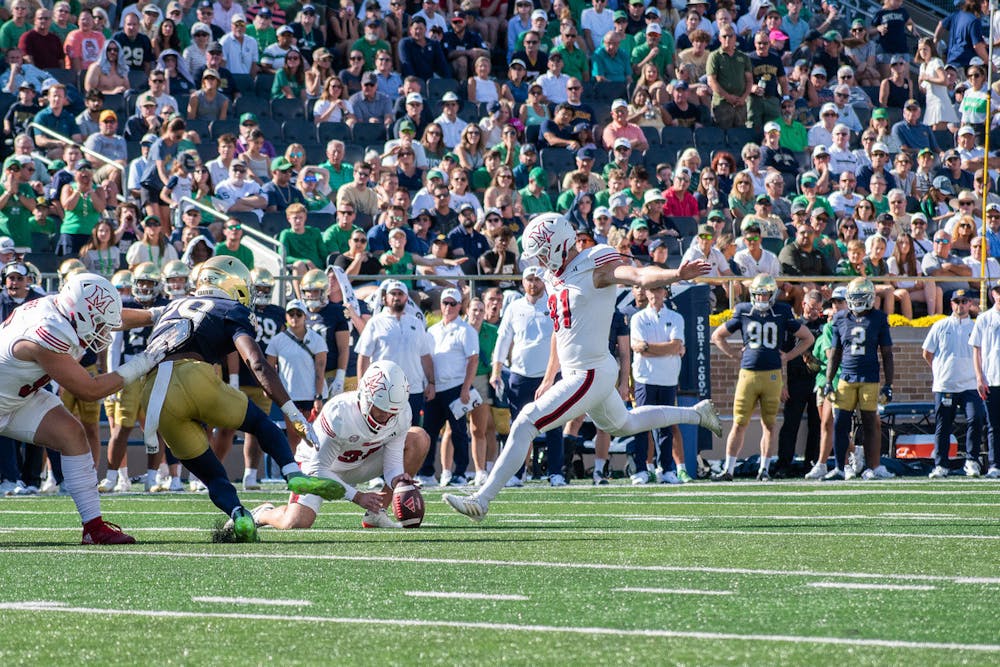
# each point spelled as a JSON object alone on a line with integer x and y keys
{"x": 269, "y": 321}
{"x": 204, "y": 325}
{"x": 135, "y": 340}
{"x": 860, "y": 337}
{"x": 327, "y": 321}
{"x": 763, "y": 334}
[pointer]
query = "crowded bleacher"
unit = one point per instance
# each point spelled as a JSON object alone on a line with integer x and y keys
{"x": 407, "y": 144}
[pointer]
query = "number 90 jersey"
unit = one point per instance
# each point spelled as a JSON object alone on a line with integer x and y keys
{"x": 203, "y": 325}
{"x": 860, "y": 337}
{"x": 763, "y": 334}
{"x": 581, "y": 313}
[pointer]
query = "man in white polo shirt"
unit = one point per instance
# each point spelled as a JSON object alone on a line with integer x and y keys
{"x": 657, "y": 338}
{"x": 525, "y": 335}
{"x": 985, "y": 343}
{"x": 948, "y": 349}
{"x": 455, "y": 348}
{"x": 396, "y": 334}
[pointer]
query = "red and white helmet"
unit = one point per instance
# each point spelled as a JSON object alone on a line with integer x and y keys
{"x": 94, "y": 307}
{"x": 547, "y": 239}
{"x": 384, "y": 386}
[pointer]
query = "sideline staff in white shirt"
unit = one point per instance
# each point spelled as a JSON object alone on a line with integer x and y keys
{"x": 985, "y": 342}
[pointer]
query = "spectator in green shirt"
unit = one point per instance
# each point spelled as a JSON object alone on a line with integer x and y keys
{"x": 11, "y": 31}
{"x": 370, "y": 44}
{"x": 575, "y": 62}
{"x": 304, "y": 247}
{"x": 233, "y": 246}
{"x": 658, "y": 49}
{"x": 794, "y": 135}
{"x": 337, "y": 237}
{"x": 17, "y": 202}
{"x": 341, "y": 173}
{"x": 534, "y": 198}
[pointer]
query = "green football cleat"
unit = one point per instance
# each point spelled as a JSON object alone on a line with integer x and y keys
{"x": 327, "y": 489}
{"x": 244, "y": 527}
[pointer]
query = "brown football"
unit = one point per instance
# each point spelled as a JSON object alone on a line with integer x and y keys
{"x": 408, "y": 505}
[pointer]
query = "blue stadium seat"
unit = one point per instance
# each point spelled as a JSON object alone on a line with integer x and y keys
{"x": 680, "y": 136}
{"x": 369, "y": 133}
{"x": 219, "y": 127}
{"x": 652, "y": 135}
{"x": 282, "y": 110}
{"x": 262, "y": 86}
{"x": 327, "y": 131}
{"x": 705, "y": 136}
{"x": 557, "y": 161}
{"x": 738, "y": 137}
{"x": 437, "y": 87}
{"x": 299, "y": 129}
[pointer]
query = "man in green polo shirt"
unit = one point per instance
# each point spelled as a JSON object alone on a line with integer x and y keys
{"x": 730, "y": 78}
{"x": 337, "y": 237}
{"x": 534, "y": 198}
{"x": 17, "y": 202}
{"x": 794, "y": 135}
{"x": 575, "y": 63}
{"x": 657, "y": 49}
{"x": 232, "y": 245}
{"x": 341, "y": 173}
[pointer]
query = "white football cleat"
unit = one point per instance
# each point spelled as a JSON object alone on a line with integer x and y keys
{"x": 708, "y": 416}
{"x": 251, "y": 484}
{"x": 557, "y": 480}
{"x": 514, "y": 482}
{"x": 7, "y": 487}
{"x": 260, "y": 508}
{"x": 878, "y": 472}
{"x": 176, "y": 485}
{"x": 196, "y": 486}
{"x": 427, "y": 481}
{"x": 123, "y": 485}
{"x": 993, "y": 473}
{"x": 817, "y": 472}
{"x": 23, "y": 489}
{"x": 378, "y": 520}
{"x": 106, "y": 486}
{"x": 640, "y": 478}
{"x": 669, "y": 477}
{"x": 445, "y": 477}
{"x": 471, "y": 506}
{"x": 49, "y": 486}
{"x": 939, "y": 472}
{"x": 972, "y": 468}
{"x": 480, "y": 478}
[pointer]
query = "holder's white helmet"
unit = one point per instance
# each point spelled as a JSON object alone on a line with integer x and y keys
{"x": 547, "y": 239}
{"x": 384, "y": 386}
{"x": 94, "y": 307}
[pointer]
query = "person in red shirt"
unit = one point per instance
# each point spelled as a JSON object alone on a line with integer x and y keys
{"x": 620, "y": 128}
{"x": 41, "y": 47}
{"x": 678, "y": 200}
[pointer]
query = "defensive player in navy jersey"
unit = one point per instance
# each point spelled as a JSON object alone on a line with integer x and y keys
{"x": 269, "y": 322}
{"x": 329, "y": 320}
{"x": 124, "y": 411}
{"x": 860, "y": 335}
{"x": 184, "y": 392}
{"x": 764, "y": 325}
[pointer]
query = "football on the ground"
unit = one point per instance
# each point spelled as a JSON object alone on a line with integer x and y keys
{"x": 408, "y": 505}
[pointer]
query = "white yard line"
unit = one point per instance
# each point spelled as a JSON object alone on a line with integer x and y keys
{"x": 509, "y": 627}
{"x": 396, "y": 559}
{"x": 670, "y": 591}
{"x": 256, "y": 601}
{"x": 464, "y": 596}
{"x": 869, "y": 587}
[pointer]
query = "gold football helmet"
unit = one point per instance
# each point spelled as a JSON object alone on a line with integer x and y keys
{"x": 263, "y": 286}
{"x": 146, "y": 282}
{"x": 763, "y": 292}
{"x": 860, "y": 295}
{"x": 68, "y": 268}
{"x": 314, "y": 287}
{"x": 122, "y": 280}
{"x": 224, "y": 276}
{"x": 175, "y": 278}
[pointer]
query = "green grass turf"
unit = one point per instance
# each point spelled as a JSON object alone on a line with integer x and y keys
{"x": 761, "y": 543}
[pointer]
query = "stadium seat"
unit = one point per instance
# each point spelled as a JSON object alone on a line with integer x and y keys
{"x": 686, "y": 225}
{"x": 67, "y": 77}
{"x": 352, "y": 153}
{"x": 608, "y": 91}
{"x": 327, "y": 131}
{"x": 47, "y": 262}
{"x": 872, "y": 93}
{"x": 320, "y": 220}
{"x": 708, "y": 136}
{"x": 315, "y": 153}
{"x": 262, "y": 86}
{"x": 531, "y": 134}
{"x": 273, "y": 223}
{"x": 207, "y": 151}
{"x": 557, "y": 161}
{"x": 680, "y": 136}
{"x": 244, "y": 84}
{"x": 219, "y": 127}
{"x": 864, "y": 115}
{"x": 117, "y": 104}
{"x": 438, "y": 87}
{"x": 471, "y": 112}
{"x": 198, "y": 125}
{"x": 369, "y": 133}
{"x": 300, "y": 130}
{"x": 282, "y": 110}
{"x": 738, "y": 137}
{"x": 652, "y": 135}
{"x": 271, "y": 129}
{"x": 250, "y": 104}
{"x": 657, "y": 154}
{"x": 945, "y": 139}
{"x": 138, "y": 80}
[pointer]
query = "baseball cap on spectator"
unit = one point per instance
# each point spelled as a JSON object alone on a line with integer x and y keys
{"x": 450, "y": 156}
{"x": 539, "y": 14}
{"x": 707, "y": 229}
{"x": 602, "y": 211}
{"x": 839, "y": 294}
{"x": 214, "y": 47}
{"x": 285, "y": 29}
{"x": 897, "y": 59}
{"x": 879, "y": 147}
{"x": 375, "y": 23}
{"x": 6, "y": 244}
{"x": 843, "y": 89}
{"x": 811, "y": 35}
{"x": 492, "y": 210}
{"x": 395, "y": 286}
{"x": 923, "y": 218}
{"x": 622, "y": 142}
{"x": 249, "y": 118}
{"x": 818, "y": 69}
{"x": 407, "y": 126}
{"x": 820, "y": 150}
{"x": 309, "y": 8}
{"x": 619, "y": 103}
{"x": 15, "y": 267}
{"x": 620, "y": 16}
{"x": 716, "y": 214}
{"x": 466, "y": 206}
{"x": 925, "y": 151}
{"x": 452, "y": 294}
{"x": 951, "y": 154}
{"x": 56, "y": 165}
{"x": 435, "y": 173}
{"x": 539, "y": 176}
{"x": 151, "y": 9}
{"x": 210, "y": 72}
{"x": 880, "y": 113}
{"x": 585, "y": 153}
{"x": 993, "y": 206}
{"x": 652, "y": 11}
{"x": 799, "y": 207}
{"x": 832, "y": 36}
{"x": 654, "y": 27}
{"x": 414, "y": 98}
{"x": 440, "y": 238}
{"x": 639, "y": 223}
{"x": 680, "y": 85}
{"x": 296, "y": 304}
{"x": 205, "y": 4}
{"x": 619, "y": 200}
{"x": 911, "y": 104}
{"x": 369, "y": 77}
{"x": 582, "y": 126}
{"x": 652, "y": 195}
{"x": 845, "y": 70}
{"x": 762, "y": 199}
{"x": 107, "y": 114}
{"x": 829, "y": 107}
{"x": 26, "y": 85}
{"x": 801, "y": 62}
{"x": 281, "y": 163}
{"x": 961, "y": 295}
{"x": 776, "y": 35}
{"x": 398, "y": 231}
{"x": 656, "y": 244}
{"x": 147, "y": 140}
{"x": 264, "y": 12}
{"x": 517, "y": 62}
{"x": 976, "y": 61}
{"x": 151, "y": 220}
{"x": 528, "y": 148}
{"x": 840, "y": 127}
{"x": 450, "y": 96}
{"x": 809, "y": 180}
{"x": 966, "y": 129}
{"x": 943, "y": 184}
{"x": 534, "y": 272}
{"x": 771, "y": 126}
{"x": 749, "y": 224}
{"x": 237, "y": 18}
{"x": 83, "y": 163}
{"x": 585, "y": 230}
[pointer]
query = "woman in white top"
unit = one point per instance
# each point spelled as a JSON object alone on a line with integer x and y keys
{"x": 152, "y": 247}
{"x": 481, "y": 88}
{"x": 939, "y": 111}
{"x": 973, "y": 262}
{"x": 904, "y": 262}
{"x": 332, "y": 106}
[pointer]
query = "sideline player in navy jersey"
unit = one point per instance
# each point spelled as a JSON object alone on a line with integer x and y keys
{"x": 860, "y": 334}
{"x": 764, "y": 325}
{"x": 329, "y": 320}
{"x": 184, "y": 392}
{"x": 269, "y": 321}
{"x": 125, "y": 409}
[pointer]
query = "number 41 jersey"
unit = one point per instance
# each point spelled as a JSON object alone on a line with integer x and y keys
{"x": 763, "y": 333}
{"x": 860, "y": 336}
{"x": 204, "y": 325}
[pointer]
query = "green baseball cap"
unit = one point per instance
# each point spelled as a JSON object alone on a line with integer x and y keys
{"x": 281, "y": 163}
{"x": 11, "y": 162}
{"x": 538, "y": 175}
{"x": 620, "y": 16}
{"x": 249, "y": 118}
{"x": 880, "y": 113}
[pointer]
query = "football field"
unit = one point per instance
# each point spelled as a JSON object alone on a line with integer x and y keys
{"x": 880, "y": 573}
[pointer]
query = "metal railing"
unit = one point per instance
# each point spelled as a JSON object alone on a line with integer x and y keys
{"x": 68, "y": 141}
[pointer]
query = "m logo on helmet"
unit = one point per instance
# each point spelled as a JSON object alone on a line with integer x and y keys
{"x": 541, "y": 234}
{"x": 99, "y": 300}
{"x": 377, "y": 382}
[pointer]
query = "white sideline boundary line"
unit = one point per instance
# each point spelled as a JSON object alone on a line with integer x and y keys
{"x": 869, "y": 587}
{"x": 669, "y": 591}
{"x": 507, "y": 627}
{"x": 260, "y": 601}
{"x": 414, "y": 560}
{"x": 466, "y": 596}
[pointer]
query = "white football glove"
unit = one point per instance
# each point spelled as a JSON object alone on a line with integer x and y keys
{"x": 139, "y": 365}
{"x": 299, "y": 423}
{"x": 336, "y": 385}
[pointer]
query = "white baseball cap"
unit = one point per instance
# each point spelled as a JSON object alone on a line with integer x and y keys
{"x": 453, "y": 294}
{"x": 395, "y": 285}
{"x": 534, "y": 272}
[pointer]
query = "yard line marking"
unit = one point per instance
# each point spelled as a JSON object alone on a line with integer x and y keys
{"x": 975, "y": 580}
{"x": 262, "y": 601}
{"x": 510, "y": 627}
{"x": 919, "y": 515}
{"x": 869, "y": 587}
{"x": 465, "y": 596}
{"x": 415, "y": 560}
{"x": 669, "y": 591}
{"x": 507, "y": 519}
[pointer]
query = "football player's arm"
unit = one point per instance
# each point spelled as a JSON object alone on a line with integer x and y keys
{"x": 319, "y": 366}
{"x": 343, "y": 340}
{"x": 265, "y": 372}
{"x": 888, "y": 364}
{"x": 68, "y": 373}
{"x": 647, "y": 277}
{"x": 836, "y": 354}
{"x": 719, "y": 340}
{"x": 550, "y": 370}
{"x": 134, "y": 318}
{"x": 805, "y": 342}
{"x": 233, "y": 368}
{"x": 364, "y": 361}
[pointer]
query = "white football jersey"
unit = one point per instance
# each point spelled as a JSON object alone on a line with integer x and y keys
{"x": 40, "y": 322}
{"x": 581, "y": 313}
{"x": 345, "y": 440}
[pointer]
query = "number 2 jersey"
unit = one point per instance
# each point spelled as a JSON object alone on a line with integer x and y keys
{"x": 40, "y": 322}
{"x": 346, "y": 441}
{"x": 860, "y": 337}
{"x": 763, "y": 334}
{"x": 204, "y": 325}
{"x": 581, "y": 313}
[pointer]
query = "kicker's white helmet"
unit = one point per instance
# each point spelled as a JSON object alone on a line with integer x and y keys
{"x": 860, "y": 295}
{"x": 547, "y": 239}
{"x": 93, "y": 305}
{"x": 384, "y": 386}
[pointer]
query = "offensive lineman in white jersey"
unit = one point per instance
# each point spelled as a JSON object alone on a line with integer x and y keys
{"x": 582, "y": 289}
{"x": 362, "y": 434}
{"x": 44, "y": 340}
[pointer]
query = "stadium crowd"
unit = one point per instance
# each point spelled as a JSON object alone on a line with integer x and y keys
{"x": 396, "y": 138}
